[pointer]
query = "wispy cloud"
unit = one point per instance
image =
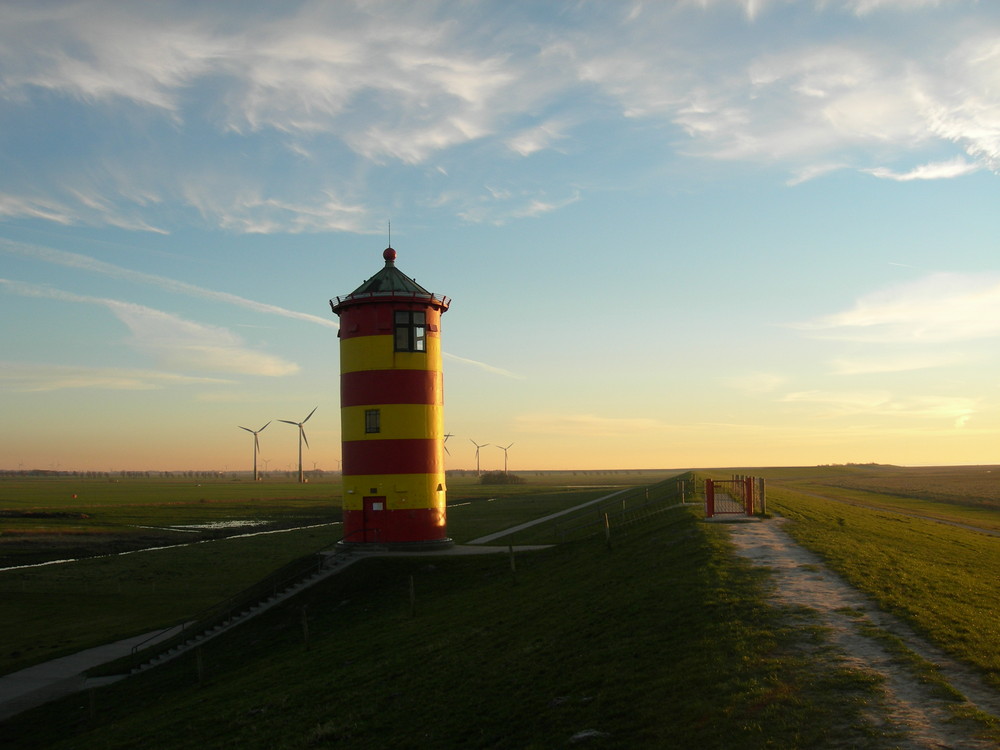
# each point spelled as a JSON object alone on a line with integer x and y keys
{"x": 942, "y": 170}
{"x": 755, "y": 382}
{"x": 86, "y": 263}
{"x": 538, "y": 138}
{"x": 498, "y": 206}
{"x": 584, "y": 425}
{"x": 864, "y": 7}
{"x": 482, "y": 366}
{"x": 171, "y": 340}
{"x": 957, "y": 409}
{"x": 246, "y": 210}
{"x": 892, "y": 364}
{"x": 361, "y": 91}
{"x": 938, "y": 308}
{"x": 27, "y": 378}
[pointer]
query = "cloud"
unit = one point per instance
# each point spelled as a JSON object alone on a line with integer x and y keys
{"x": 892, "y": 364}
{"x": 86, "y": 263}
{"x": 199, "y": 107}
{"x": 584, "y": 425}
{"x": 483, "y": 366}
{"x": 755, "y": 382}
{"x": 938, "y": 308}
{"x": 538, "y": 138}
{"x": 30, "y": 378}
{"x": 171, "y": 340}
{"x": 864, "y": 7}
{"x": 499, "y": 206}
{"x": 245, "y": 210}
{"x": 956, "y": 167}
{"x": 958, "y": 409}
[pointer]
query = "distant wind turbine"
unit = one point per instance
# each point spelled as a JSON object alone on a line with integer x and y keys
{"x": 302, "y": 438}
{"x": 445, "y": 444}
{"x": 478, "y": 446}
{"x": 504, "y": 456}
{"x": 256, "y": 447}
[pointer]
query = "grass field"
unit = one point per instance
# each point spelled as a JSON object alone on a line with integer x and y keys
{"x": 662, "y": 641}
{"x": 53, "y": 610}
{"x": 907, "y": 551}
{"x": 944, "y": 580}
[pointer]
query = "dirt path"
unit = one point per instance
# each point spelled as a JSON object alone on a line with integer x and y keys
{"x": 914, "y": 712}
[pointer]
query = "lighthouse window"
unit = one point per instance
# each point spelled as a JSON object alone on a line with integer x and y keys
{"x": 373, "y": 420}
{"x": 411, "y": 331}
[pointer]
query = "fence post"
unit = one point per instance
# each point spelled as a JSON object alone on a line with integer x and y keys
{"x": 748, "y": 493}
{"x": 709, "y": 498}
{"x": 762, "y": 494}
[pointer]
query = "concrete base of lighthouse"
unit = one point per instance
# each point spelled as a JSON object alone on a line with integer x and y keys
{"x": 425, "y": 546}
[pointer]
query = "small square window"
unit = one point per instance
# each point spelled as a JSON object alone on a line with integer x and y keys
{"x": 373, "y": 421}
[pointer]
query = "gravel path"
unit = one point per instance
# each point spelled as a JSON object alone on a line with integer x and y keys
{"x": 921, "y": 718}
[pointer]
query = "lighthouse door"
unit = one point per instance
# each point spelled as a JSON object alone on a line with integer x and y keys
{"x": 374, "y": 519}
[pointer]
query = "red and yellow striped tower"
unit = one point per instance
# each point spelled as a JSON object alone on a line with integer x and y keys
{"x": 391, "y": 411}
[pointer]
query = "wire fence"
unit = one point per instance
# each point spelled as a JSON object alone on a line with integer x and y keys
{"x": 622, "y": 510}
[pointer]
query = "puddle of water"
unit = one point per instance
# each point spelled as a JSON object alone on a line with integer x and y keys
{"x": 217, "y": 525}
{"x": 169, "y": 546}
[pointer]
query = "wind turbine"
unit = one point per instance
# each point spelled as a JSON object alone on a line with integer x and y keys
{"x": 256, "y": 447}
{"x": 504, "y": 456}
{"x": 478, "y": 446}
{"x": 445, "y": 443}
{"x": 302, "y": 437}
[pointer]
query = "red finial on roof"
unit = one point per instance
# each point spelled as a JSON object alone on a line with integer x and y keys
{"x": 389, "y": 255}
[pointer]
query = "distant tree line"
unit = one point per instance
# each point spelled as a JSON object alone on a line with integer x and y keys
{"x": 500, "y": 477}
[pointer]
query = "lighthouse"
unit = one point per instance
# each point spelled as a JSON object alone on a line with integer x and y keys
{"x": 391, "y": 412}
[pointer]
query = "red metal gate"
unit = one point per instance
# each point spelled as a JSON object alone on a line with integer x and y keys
{"x": 729, "y": 497}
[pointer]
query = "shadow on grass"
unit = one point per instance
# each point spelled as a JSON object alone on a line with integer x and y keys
{"x": 663, "y": 641}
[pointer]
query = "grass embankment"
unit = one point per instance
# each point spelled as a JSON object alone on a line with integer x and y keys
{"x": 61, "y": 609}
{"x": 941, "y": 579}
{"x": 663, "y": 641}
{"x": 55, "y": 610}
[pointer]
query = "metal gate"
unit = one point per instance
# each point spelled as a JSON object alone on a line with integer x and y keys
{"x": 729, "y": 497}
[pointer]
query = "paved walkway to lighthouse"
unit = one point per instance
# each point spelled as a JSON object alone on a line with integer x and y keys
{"x": 529, "y": 524}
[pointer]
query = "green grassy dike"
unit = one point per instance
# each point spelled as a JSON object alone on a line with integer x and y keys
{"x": 665, "y": 640}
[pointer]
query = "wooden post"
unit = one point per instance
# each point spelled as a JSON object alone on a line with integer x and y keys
{"x": 709, "y": 498}
{"x": 607, "y": 531}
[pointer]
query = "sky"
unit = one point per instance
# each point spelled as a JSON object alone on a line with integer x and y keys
{"x": 681, "y": 234}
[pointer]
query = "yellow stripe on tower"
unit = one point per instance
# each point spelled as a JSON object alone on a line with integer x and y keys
{"x": 376, "y": 353}
{"x": 408, "y": 490}
{"x": 398, "y": 422}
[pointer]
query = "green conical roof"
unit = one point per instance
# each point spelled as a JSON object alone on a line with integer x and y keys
{"x": 390, "y": 280}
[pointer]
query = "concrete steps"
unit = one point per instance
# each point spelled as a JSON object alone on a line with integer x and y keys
{"x": 333, "y": 564}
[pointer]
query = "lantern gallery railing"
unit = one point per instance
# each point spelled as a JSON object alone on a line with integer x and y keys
{"x": 441, "y": 300}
